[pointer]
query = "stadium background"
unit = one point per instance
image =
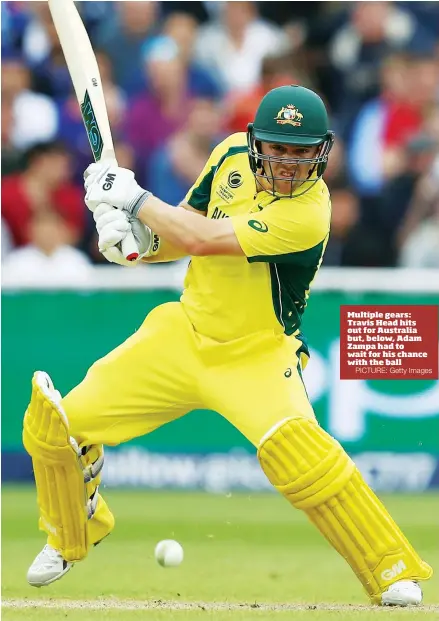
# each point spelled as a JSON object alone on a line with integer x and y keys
{"x": 178, "y": 77}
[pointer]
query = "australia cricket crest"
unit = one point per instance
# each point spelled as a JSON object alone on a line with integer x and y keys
{"x": 289, "y": 115}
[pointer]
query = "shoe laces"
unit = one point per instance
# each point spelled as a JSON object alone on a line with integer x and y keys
{"x": 49, "y": 553}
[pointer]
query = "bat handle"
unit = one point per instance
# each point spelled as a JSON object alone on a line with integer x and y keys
{"x": 129, "y": 248}
{"x": 128, "y": 245}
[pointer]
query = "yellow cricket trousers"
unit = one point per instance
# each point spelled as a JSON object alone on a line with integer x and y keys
{"x": 166, "y": 369}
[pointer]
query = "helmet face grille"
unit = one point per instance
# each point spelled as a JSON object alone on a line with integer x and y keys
{"x": 262, "y": 167}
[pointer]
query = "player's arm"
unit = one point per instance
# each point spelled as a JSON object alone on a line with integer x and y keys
{"x": 183, "y": 228}
{"x": 286, "y": 231}
{"x": 169, "y": 251}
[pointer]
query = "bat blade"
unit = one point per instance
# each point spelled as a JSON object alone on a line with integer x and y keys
{"x": 84, "y": 71}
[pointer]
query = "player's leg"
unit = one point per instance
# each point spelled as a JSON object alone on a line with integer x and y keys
{"x": 268, "y": 403}
{"x": 67, "y": 480}
{"x": 149, "y": 380}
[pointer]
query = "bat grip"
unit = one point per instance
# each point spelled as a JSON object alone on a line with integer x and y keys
{"x": 128, "y": 245}
{"x": 129, "y": 248}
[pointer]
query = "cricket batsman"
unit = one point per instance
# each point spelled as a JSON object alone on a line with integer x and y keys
{"x": 255, "y": 225}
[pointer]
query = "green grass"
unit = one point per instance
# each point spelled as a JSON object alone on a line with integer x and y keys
{"x": 238, "y": 549}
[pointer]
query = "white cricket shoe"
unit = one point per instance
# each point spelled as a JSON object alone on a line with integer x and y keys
{"x": 402, "y": 593}
{"x": 47, "y": 567}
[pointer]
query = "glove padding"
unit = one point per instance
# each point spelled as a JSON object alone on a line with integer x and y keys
{"x": 113, "y": 225}
{"x": 106, "y": 182}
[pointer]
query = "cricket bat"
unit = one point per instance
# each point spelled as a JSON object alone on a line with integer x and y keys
{"x": 83, "y": 69}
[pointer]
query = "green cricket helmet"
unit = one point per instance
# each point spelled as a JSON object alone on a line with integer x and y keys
{"x": 290, "y": 115}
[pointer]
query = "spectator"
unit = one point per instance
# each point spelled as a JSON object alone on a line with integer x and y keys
{"x": 123, "y": 38}
{"x": 6, "y": 240}
{"x": 344, "y": 217}
{"x": 382, "y": 128}
{"x": 11, "y": 157}
{"x": 44, "y": 55}
{"x": 374, "y": 30}
{"x": 157, "y": 114}
{"x": 175, "y": 167}
{"x": 397, "y": 194}
{"x": 45, "y": 185}
{"x": 424, "y": 81}
{"x": 335, "y": 173}
{"x": 27, "y": 106}
{"x": 182, "y": 28}
{"x": 235, "y": 45}
{"x": 47, "y": 257}
{"x": 36, "y": 40}
{"x": 242, "y": 106}
{"x": 398, "y": 144}
{"x": 420, "y": 222}
{"x": 198, "y": 10}
{"x": 421, "y": 248}
{"x": 94, "y": 14}
{"x": 14, "y": 20}
{"x": 367, "y": 247}
{"x": 426, "y": 13}
{"x": 283, "y": 14}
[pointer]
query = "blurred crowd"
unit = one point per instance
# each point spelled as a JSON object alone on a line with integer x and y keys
{"x": 180, "y": 76}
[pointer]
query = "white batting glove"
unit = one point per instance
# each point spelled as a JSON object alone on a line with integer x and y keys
{"x": 113, "y": 225}
{"x": 106, "y": 182}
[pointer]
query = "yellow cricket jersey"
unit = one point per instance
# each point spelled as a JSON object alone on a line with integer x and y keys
{"x": 227, "y": 297}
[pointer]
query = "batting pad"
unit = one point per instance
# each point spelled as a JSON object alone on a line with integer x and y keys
{"x": 62, "y": 496}
{"x": 314, "y": 473}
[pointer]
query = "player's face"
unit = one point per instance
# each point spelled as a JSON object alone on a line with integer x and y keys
{"x": 294, "y": 172}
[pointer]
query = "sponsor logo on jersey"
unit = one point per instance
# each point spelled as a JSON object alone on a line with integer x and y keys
{"x": 289, "y": 115}
{"x": 217, "y": 214}
{"x": 235, "y": 179}
{"x": 109, "y": 180}
{"x": 258, "y": 225}
{"x": 225, "y": 193}
{"x": 288, "y": 373}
